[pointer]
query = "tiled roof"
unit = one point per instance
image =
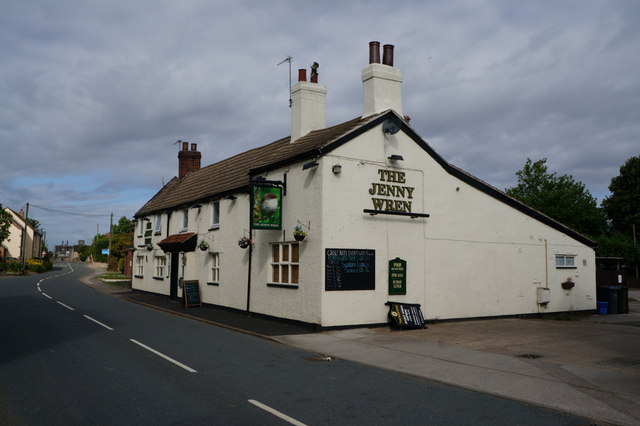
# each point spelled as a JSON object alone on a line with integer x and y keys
{"x": 232, "y": 175}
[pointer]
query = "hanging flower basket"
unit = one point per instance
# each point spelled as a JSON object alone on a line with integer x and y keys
{"x": 298, "y": 233}
{"x": 568, "y": 284}
{"x": 244, "y": 242}
{"x": 204, "y": 246}
{"x": 149, "y": 247}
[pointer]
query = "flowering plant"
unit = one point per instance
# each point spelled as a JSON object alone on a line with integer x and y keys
{"x": 244, "y": 242}
{"x": 204, "y": 246}
{"x": 298, "y": 233}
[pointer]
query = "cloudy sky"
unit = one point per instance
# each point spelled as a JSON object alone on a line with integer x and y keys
{"x": 94, "y": 94}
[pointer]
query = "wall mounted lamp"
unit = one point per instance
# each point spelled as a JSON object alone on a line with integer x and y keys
{"x": 396, "y": 157}
{"x": 310, "y": 165}
{"x": 146, "y": 219}
{"x": 196, "y": 206}
{"x": 230, "y": 197}
{"x": 337, "y": 168}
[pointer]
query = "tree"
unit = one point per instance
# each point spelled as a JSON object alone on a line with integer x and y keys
{"x": 36, "y": 225}
{"x": 124, "y": 226}
{"x": 560, "y": 197}
{"x": 5, "y": 224}
{"x": 623, "y": 205}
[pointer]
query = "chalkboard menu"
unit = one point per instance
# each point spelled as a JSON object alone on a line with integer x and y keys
{"x": 350, "y": 269}
{"x": 191, "y": 293}
{"x": 405, "y": 315}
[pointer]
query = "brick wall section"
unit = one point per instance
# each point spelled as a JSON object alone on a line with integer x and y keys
{"x": 188, "y": 161}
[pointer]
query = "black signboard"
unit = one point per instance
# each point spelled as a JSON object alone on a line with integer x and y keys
{"x": 405, "y": 315}
{"x": 191, "y": 293}
{"x": 350, "y": 269}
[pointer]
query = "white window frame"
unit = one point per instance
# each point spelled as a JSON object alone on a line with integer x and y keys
{"x": 158, "y": 228}
{"x": 214, "y": 275}
{"x": 140, "y": 265}
{"x": 562, "y": 261}
{"x": 215, "y": 214}
{"x": 285, "y": 267}
{"x": 185, "y": 219}
{"x": 160, "y": 266}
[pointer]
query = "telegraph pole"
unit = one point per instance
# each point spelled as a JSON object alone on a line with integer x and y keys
{"x": 110, "y": 232}
{"x": 23, "y": 239}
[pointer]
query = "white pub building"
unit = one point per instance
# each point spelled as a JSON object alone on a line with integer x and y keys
{"x": 386, "y": 220}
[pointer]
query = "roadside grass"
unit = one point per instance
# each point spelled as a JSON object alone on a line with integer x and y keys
{"x": 114, "y": 276}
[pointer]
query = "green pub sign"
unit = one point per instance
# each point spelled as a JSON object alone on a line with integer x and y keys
{"x": 266, "y": 207}
{"x": 397, "y": 276}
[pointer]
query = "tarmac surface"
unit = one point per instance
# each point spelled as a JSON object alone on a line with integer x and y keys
{"x": 588, "y": 366}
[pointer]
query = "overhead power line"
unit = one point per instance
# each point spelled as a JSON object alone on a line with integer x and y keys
{"x": 70, "y": 213}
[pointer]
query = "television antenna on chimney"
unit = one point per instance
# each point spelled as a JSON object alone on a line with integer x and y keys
{"x": 288, "y": 59}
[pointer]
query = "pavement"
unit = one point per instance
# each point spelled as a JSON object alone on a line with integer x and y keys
{"x": 588, "y": 365}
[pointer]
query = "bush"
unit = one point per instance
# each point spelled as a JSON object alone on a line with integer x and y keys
{"x": 15, "y": 267}
{"x": 121, "y": 264}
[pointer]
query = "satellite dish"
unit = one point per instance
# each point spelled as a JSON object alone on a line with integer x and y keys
{"x": 391, "y": 126}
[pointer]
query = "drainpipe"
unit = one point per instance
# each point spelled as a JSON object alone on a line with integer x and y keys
{"x": 249, "y": 270}
{"x": 546, "y": 264}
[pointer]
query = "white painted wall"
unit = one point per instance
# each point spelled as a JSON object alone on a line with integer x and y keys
{"x": 473, "y": 257}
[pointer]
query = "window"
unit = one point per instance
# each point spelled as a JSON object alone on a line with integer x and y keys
{"x": 565, "y": 261}
{"x": 148, "y": 232}
{"x": 161, "y": 264}
{"x": 215, "y": 267}
{"x": 158, "y": 229}
{"x": 215, "y": 214}
{"x": 185, "y": 219}
{"x": 285, "y": 263}
{"x": 140, "y": 266}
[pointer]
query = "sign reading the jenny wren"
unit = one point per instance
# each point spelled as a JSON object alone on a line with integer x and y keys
{"x": 266, "y": 207}
{"x": 397, "y": 196}
{"x": 350, "y": 269}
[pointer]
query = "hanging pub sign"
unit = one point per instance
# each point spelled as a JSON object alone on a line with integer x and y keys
{"x": 397, "y": 276}
{"x": 266, "y": 207}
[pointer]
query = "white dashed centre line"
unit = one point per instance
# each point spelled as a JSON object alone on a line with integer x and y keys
{"x": 66, "y": 306}
{"x": 98, "y": 322}
{"x": 276, "y": 413}
{"x": 160, "y": 354}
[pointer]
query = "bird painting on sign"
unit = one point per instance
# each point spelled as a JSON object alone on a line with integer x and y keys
{"x": 266, "y": 207}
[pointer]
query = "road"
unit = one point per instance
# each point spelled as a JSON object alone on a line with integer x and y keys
{"x": 70, "y": 355}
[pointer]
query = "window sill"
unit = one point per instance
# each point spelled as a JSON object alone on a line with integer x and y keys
{"x": 138, "y": 276}
{"x": 213, "y": 283}
{"x": 566, "y": 267}
{"x": 278, "y": 285}
{"x": 157, "y": 233}
{"x": 214, "y": 227}
{"x": 159, "y": 278}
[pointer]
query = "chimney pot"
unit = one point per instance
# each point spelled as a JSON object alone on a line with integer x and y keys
{"x": 188, "y": 161}
{"x": 387, "y": 55}
{"x": 374, "y": 52}
{"x": 302, "y": 74}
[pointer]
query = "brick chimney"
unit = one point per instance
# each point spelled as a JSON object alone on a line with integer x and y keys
{"x": 381, "y": 83}
{"x": 188, "y": 161}
{"x": 308, "y": 101}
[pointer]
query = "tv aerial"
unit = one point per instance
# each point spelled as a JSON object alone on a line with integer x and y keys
{"x": 288, "y": 59}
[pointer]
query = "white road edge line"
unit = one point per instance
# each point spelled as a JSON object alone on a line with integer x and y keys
{"x": 98, "y": 322}
{"x": 160, "y": 354}
{"x": 66, "y": 306}
{"x": 46, "y": 295}
{"x": 276, "y": 413}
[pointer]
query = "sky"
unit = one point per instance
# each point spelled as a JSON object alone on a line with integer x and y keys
{"x": 94, "y": 94}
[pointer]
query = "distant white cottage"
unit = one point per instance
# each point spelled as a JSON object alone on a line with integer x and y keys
{"x": 386, "y": 220}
